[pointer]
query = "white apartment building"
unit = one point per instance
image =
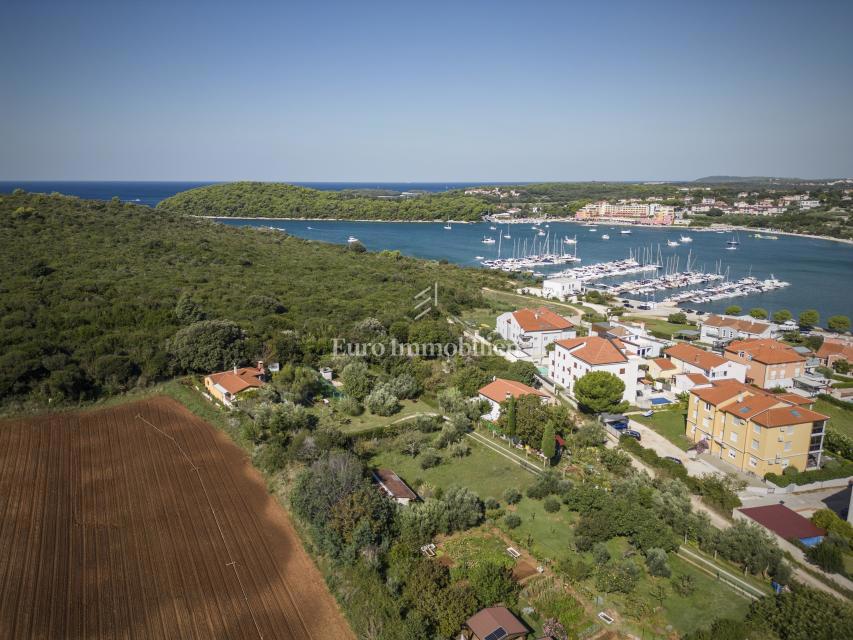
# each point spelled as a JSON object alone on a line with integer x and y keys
{"x": 532, "y": 330}
{"x": 572, "y": 359}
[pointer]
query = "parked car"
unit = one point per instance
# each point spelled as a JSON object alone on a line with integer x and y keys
{"x": 632, "y": 434}
{"x": 629, "y": 305}
{"x": 673, "y": 459}
{"x": 648, "y": 414}
{"x": 619, "y": 426}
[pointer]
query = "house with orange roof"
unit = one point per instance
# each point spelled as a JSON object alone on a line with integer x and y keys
{"x": 720, "y": 329}
{"x": 690, "y": 359}
{"x": 754, "y": 430}
{"x": 661, "y": 368}
{"x": 532, "y": 330}
{"x": 225, "y": 386}
{"x": 573, "y": 358}
{"x": 769, "y": 363}
{"x": 833, "y": 350}
{"x": 500, "y": 390}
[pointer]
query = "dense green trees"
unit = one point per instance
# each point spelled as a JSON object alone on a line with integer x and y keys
{"x": 600, "y": 391}
{"x": 782, "y": 315}
{"x": 809, "y": 318}
{"x": 208, "y": 345}
{"x": 733, "y": 310}
{"x": 277, "y": 200}
{"x": 803, "y": 614}
{"x": 838, "y": 324}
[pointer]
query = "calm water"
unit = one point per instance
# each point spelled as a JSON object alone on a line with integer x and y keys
{"x": 820, "y": 271}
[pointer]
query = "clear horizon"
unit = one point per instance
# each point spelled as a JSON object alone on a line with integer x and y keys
{"x": 561, "y": 92}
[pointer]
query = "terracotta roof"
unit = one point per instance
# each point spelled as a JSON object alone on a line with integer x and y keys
{"x": 832, "y": 347}
{"x": 595, "y": 350}
{"x": 738, "y": 324}
{"x": 541, "y": 319}
{"x": 721, "y": 391}
{"x": 664, "y": 363}
{"x": 751, "y": 406}
{"x": 695, "y": 356}
{"x": 393, "y": 484}
{"x": 784, "y": 416}
{"x": 498, "y": 389}
{"x": 239, "y": 380}
{"x": 697, "y": 378}
{"x": 794, "y": 398}
{"x": 488, "y": 620}
{"x": 783, "y": 521}
{"x": 765, "y": 351}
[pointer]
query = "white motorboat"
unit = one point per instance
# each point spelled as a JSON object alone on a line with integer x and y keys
{"x": 731, "y": 247}
{"x": 593, "y": 229}
{"x": 671, "y": 243}
{"x": 540, "y": 233}
{"x": 568, "y": 240}
{"x": 507, "y": 236}
{"x": 487, "y": 240}
{"x": 492, "y": 228}
{"x": 352, "y": 239}
{"x": 604, "y": 236}
{"x": 686, "y": 239}
{"x": 625, "y": 232}
{"x": 479, "y": 258}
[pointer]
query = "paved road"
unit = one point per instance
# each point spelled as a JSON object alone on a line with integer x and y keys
{"x": 663, "y": 447}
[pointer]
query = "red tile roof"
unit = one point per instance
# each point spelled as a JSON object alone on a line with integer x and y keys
{"x": 783, "y": 521}
{"x": 695, "y": 356}
{"x": 697, "y": 378}
{"x": 784, "y": 416}
{"x": 664, "y": 363}
{"x": 722, "y": 391}
{"x": 765, "y": 351}
{"x": 393, "y": 484}
{"x": 488, "y": 620}
{"x": 834, "y": 347}
{"x": 498, "y": 389}
{"x": 595, "y": 350}
{"x": 541, "y": 319}
{"x": 239, "y": 380}
{"x": 745, "y": 326}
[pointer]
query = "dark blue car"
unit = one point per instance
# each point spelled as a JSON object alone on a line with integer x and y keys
{"x": 632, "y": 434}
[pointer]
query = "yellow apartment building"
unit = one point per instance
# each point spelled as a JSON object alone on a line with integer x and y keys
{"x": 753, "y": 430}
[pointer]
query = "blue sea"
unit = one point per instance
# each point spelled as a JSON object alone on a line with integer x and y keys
{"x": 820, "y": 271}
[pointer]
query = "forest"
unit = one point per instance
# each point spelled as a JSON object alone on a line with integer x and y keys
{"x": 278, "y": 200}
{"x": 99, "y": 297}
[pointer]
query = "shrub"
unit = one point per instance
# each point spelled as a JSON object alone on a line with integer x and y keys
{"x": 382, "y": 401}
{"x": 512, "y": 495}
{"x": 347, "y": 405}
{"x": 621, "y": 577}
{"x": 512, "y": 521}
{"x": 600, "y": 553}
{"x": 460, "y": 450}
{"x": 658, "y": 562}
{"x": 491, "y": 503}
{"x": 551, "y": 504}
{"x": 430, "y": 458}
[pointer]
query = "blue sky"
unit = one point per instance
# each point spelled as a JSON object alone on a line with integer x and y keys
{"x": 398, "y": 91}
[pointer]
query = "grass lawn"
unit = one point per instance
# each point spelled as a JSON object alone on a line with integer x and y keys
{"x": 670, "y": 424}
{"x": 840, "y": 420}
{"x": 660, "y": 326}
{"x": 547, "y": 536}
{"x": 484, "y": 471}
{"x": 516, "y": 300}
{"x": 368, "y": 420}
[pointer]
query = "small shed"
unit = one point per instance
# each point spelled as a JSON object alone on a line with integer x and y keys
{"x": 494, "y": 623}
{"x": 785, "y": 523}
{"x": 394, "y": 487}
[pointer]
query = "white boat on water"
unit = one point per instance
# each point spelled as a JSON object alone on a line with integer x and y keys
{"x": 352, "y": 239}
{"x": 487, "y": 240}
{"x": 731, "y": 247}
{"x": 479, "y": 258}
{"x": 733, "y": 242}
{"x": 593, "y": 229}
{"x": 604, "y": 236}
{"x": 686, "y": 239}
{"x": 507, "y": 236}
{"x": 540, "y": 233}
{"x": 568, "y": 240}
{"x": 448, "y": 227}
{"x": 493, "y": 227}
{"x": 671, "y": 243}
{"x": 625, "y": 232}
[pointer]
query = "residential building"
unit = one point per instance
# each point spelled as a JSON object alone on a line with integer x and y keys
{"x": 562, "y": 288}
{"x": 686, "y": 381}
{"x": 753, "y": 430}
{"x": 769, "y": 363}
{"x": 718, "y": 329}
{"x": 634, "y": 336}
{"x": 394, "y": 487}
{"x": 499, "y": 390}
{"x": 785, "y": 523}
{"x": 690, "y": 359}
{"x": 572, "y": 359}
{"x": 532, "y": 330}
{"x": 225, "y": 386}
{"x": 494, "y": 623}
{"x": 833, "y": 350}
{"x": 661, "y": 369}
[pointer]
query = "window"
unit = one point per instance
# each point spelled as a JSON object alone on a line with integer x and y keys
{"x": 753, "y": 462}
{"x": 788, "y": 445}
{"x": 755, "y": 443}
{"x": 707, "y": 406}
{"x": 621, "y": 371}
{"x": 756, "y": 429}
{"x": 732, "y": 454}
{"x": 733, "y": 436}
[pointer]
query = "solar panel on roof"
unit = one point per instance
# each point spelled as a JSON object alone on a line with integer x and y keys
{"x": 497, "y": 634}
{"x": 795, "y": 413}
{"x": 743, "y": 410}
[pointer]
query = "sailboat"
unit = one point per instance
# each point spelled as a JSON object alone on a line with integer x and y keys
{"x": 493, "y": 227}
{"x": 671, "y": 243}
{"x": 734, "y": 241}
{"x": 540, "y": 233}
{"x": 487, "y": 240}
{"x": 568, "y": 240}
{"x": 507, "y": 236}
{"x": 447, "y": 226}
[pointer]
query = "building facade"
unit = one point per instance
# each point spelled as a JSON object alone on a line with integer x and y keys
{"x": 690, "y": 359}
{"x": 572, "y": 359}
{"x": 769, "y": 363}
{"x": 753, "y": 430}
{"x": 532, "y": 330}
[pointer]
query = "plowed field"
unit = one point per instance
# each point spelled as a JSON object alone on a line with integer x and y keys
{"x": 143, "y": 521}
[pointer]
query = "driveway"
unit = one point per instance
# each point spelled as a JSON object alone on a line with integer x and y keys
{"x": 663, "y": 447}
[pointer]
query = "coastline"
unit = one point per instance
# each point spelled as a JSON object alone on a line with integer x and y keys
{"x": 680, "y": 227}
